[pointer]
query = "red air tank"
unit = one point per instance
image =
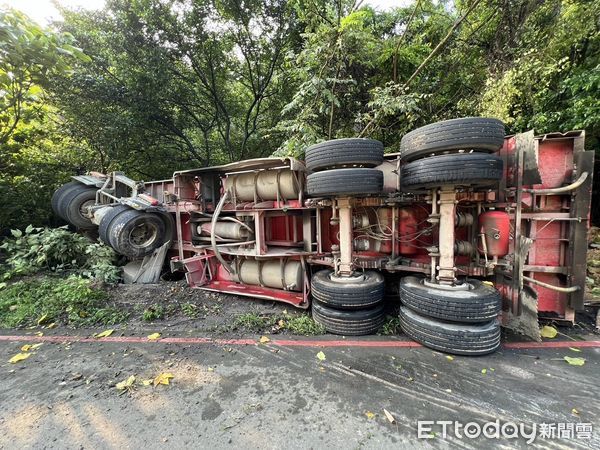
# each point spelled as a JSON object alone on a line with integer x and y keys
{"x": 495, "y": 226}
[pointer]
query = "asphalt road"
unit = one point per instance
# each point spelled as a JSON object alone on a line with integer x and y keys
{"x": 270, "y": 396}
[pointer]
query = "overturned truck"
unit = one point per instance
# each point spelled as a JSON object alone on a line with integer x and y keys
{"x": 471, "y": 229}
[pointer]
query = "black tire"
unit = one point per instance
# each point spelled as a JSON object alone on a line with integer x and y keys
{"x": 363, "y": 291}
{"x": 469, "y": 133}
{"x": 481, "y": 303}
{"x": 72, "y": 203}
{"x": 455, "y": 338}
{"x": 341, "y": 182}
{"x": 124, "y": 240}
{"x": 60, "y": 192}
{"x": 337, "y": 153}
{"x": 349, "y": 323}
{"x": 459, "y": 169}
{"x": 107, "y": 221}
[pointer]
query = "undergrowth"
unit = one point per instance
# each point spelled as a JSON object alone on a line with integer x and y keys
{"x": 71, "y": 301}
{"x": 56, "y": 250}
{"x": 298, "y": 324}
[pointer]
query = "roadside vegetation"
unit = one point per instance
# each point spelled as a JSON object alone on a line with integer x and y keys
{"x": 54, "y": 276}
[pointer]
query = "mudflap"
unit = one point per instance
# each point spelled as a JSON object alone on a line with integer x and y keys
{"x": 526, "y": 323}
{"x": 146, "y": 270}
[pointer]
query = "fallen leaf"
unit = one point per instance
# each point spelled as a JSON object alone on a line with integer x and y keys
{"x": 105, "y": 333}
{"x": 42, "y": 319}
{"x": 389, "y": 416}
{"x": 210, "y": 369}
{"x": 28, "y": 347}
{"x": 126, "y": 383}
{"x": 321, "y": 356}
{"x": 163, "y": 378}
{"x": 489, "y": 283}
{"x": 548, "y": 331}
{"x": 575, "y": 349}
{"x": 147, "y": 382}
{"x": 19, "y": 357}
{"x": 154, "y": 336}
{"x": 484, "y": 371}
{"x": 51, "y": 325}
{"x": 574, "y": 411}
{"x": 369, "y": 415}
{"x": 264, "y": 340}
{"x": 574, "y": 361}
{"x": 281, "y": 324}
{"x": 450, "y": 358}
{"x": 39, "y": 333}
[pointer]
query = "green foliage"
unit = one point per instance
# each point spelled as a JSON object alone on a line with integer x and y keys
{"x": 303, "y": 324}
{"x": 56, "y": 250}
{"x": 253, "y": 322}
{"x": 72, "y": 301}
{"x": 153, "y": 312}
{"x": 391, "y": 327}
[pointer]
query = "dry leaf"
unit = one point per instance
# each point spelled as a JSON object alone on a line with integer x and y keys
{"x": 389, "y": 416}
{"x": 52, "y": 325}
{"x": 163, "y": 378}
{"x": 128, "y": 383}
{"x": 450, "y": 358}
{"x": 264, "y": 340}
{"x": 154, "y": 336}
{"x": 19, "y": 357}
{"x": 574, "y": 411}
{"x": 147, "y": 382}
{"x": 42, "y": 319}
{"x": 548, "y": 331}
{"x": 105, "y": 333}
{"x": 39, "y": 333}
{"x": 369, "y": 415}
{"x": 28, "y": 347}
{"x": 575, "y": 349}
{"x": 210, "y": 369}
{"x": 574, "y": 361}
{"x": 484, "y": 371}
{"x": 321, "y": 356}
{"x": 281, "y": 324}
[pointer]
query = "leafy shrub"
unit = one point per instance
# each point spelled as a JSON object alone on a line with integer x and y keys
{"x": 57, "y": 250}
{"x": 73, "y": 301}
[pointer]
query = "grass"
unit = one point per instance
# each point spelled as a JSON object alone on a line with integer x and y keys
{"x": 391, "y": 326}
{"x": 302, "y": 324}
{"x": 153, "y": 312}
{"x": 71, "y": 301}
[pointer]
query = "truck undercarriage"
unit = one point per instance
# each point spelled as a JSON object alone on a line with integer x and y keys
{"x": 464, "y": 224}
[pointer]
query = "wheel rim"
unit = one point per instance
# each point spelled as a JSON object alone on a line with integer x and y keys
{"x": 354, "y": 278}
{"x": 84, "y": 206}
{"x": 143, "y": 235}
{"x": 465, "y": 286}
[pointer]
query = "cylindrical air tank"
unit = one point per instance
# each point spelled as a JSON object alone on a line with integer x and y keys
{"x": 266, "y": 184}
{"x": 272, "y": 273}
{"x": 495, "y": 228}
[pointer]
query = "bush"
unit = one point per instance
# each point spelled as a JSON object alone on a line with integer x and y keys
{"x": 74, "y": 301}
{"x": 57, "y": 250}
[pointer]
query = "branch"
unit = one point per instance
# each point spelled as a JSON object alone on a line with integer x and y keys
{"x": 442, "y": 43}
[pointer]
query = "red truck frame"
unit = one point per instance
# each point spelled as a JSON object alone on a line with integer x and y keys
{"x": 253, "y": 228}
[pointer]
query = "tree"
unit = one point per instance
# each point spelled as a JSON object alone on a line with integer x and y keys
{"x": 191, "y": 82}
{"x": 29, "y": 56}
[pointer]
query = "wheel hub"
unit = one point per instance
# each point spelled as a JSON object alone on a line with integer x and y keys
{"x": 143, "y": 235}
{"x": 449, "y": 287}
